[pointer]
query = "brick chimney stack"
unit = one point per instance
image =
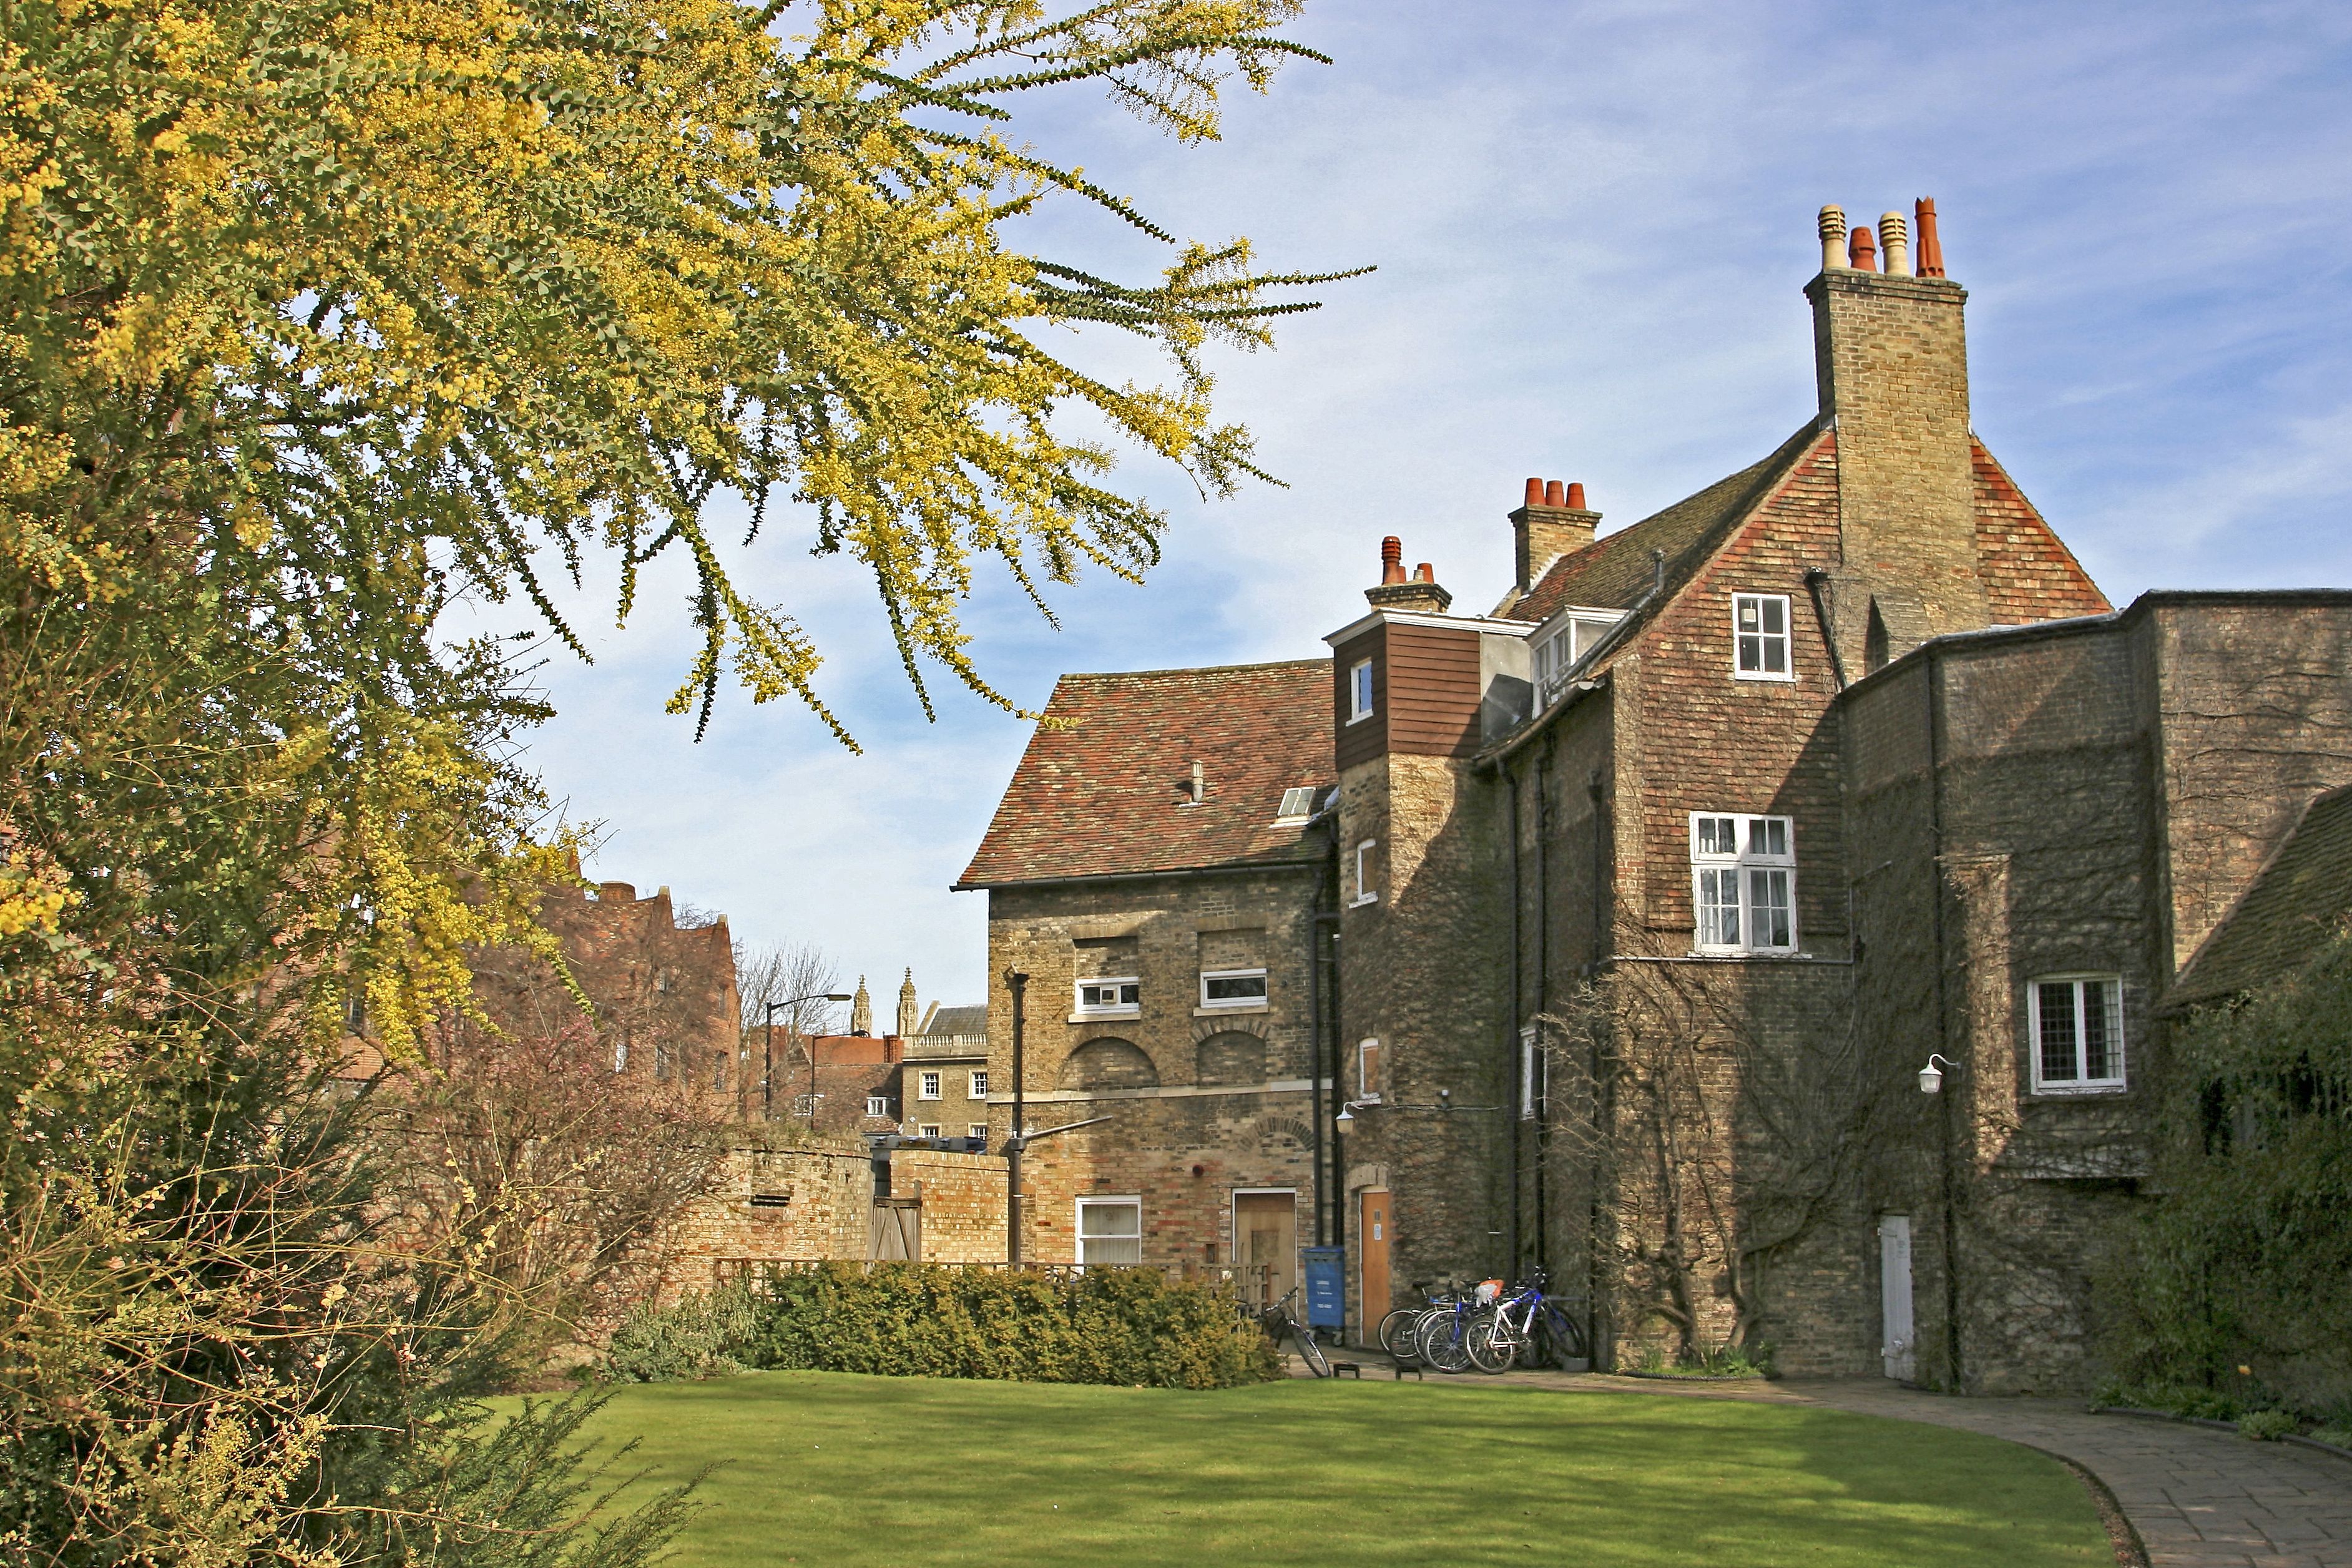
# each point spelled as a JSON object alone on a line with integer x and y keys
{"x": 1420, "y": 592}
{"x": 1891, "y": 363}
{"x": 1551, "y": 523}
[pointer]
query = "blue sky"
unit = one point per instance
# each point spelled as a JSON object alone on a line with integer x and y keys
{"x": 1592, "y": 224}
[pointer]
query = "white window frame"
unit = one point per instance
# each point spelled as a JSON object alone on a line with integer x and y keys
{"x": 1297, "y": 805}
{"x": 1744, "y": 865}
{"x": 2111, "y": 989}
{"x": 926, "y": 1085}
{"x": 1234, "y": 1004}
{"x": 1130, "y": 1201}
{"x": 1365, "y": 893}
{"x": 979, "y": 1085}
{"x": 878, "y": 1105}
{"x": 976, "y": 1129}
{"x": 1559, "y": 651}
{"x": 620, "y": 1051}
{"x": 1368, "y": 1070}
{"x": 1362, "y": 702}
{"x": 1121, "y": 1009}
{"x": 930, "y": 1130}
{"x": 1763, "y": 639}
{"x": 1529, "y": 1072}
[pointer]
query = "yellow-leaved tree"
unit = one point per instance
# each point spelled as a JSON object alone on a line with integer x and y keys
{"x": 315, "y": 316}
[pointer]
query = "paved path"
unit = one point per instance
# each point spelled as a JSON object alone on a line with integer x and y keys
{"x": 2199, "y": 1497}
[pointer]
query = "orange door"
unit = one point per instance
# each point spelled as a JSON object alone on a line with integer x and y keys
{"x": 1374, "y": 1227}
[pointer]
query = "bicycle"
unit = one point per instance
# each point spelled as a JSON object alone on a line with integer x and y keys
{"x": 1396, "y": 1332}
{"x": 1530, "y": 1320}
{"x": 1279, "y": 1319}
{"x": 1442, "y": 1337}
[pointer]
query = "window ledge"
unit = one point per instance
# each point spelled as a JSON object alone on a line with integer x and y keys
{"x": 1359, "y": 718}
{"x": 1789, "y": 679}
{"x": 1367, "y": 899}
{"x": 1228, "y": 1011}
{"x": 2075, "y": 1091}
{"x": 1107, "y": 1012}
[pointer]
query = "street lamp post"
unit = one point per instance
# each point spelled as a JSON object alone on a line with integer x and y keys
{"x": 768, "y": 1054}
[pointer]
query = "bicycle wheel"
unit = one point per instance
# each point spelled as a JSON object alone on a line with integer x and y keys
{"x": 1489, "y": 1346}
{"x": 1310, "y": 1352}
{"x": 1396, "y": 1332}
{"x": 1558, "y": 1340}
{"x": 1443, "y": 1341}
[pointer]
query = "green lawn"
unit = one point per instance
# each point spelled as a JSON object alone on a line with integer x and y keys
{"x": 828, "y": 1468}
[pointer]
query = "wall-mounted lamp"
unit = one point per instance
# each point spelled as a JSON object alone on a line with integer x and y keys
{"x": 1931, "y": 1081}
{"x": 1346, "y": 1119}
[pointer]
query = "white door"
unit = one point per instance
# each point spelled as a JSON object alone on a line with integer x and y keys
{"x": 1894, "y": 1296}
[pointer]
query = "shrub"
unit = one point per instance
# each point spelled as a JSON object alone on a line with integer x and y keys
{"x": 914, "y": 1319}
{"x": 700, "y": 1336}
{"x": 2267, "y": 1425}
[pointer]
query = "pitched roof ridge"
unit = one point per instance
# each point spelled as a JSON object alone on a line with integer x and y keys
{"x": 2181, "y": 993}
{"x": 1193, "y": 670}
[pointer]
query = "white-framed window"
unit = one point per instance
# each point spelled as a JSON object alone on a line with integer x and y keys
{"x": 1368, "y": 1069}
{"x": 620, "y": 1053}
{"x": 1744, "y": 882}
{"x": 1297, "y": 805}
{"x": 805, "y": 1106}
{"x": 1233, "y": 989}
{"x": 1115, "y": 997}
{"x": 978, "y": 1130}
{"x": 1359, "y": 690}
{"x": 979, "y": 1084}
{"x": 927, "y": 1086}
{"x": 2076, "y": 1023}
{"x": 1110, "y": 1230}
{"x": 1558, "y": 652}
{"x": 878, "y": 1105}
{"x": 1365, "y": 893}
{"x": 928, "y": 1130}
{"x": 1531, "y": 1073}
{"x": 1759, "y": 631}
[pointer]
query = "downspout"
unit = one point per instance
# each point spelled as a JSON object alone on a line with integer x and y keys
{"x": 1328, "y": 1196}
{"x": 1016, "y": 1145}
{"x": 1511, "y": 1048}
{"x": 1539, "y": 1078}
{"x": 1816, "y": 580}
{"x": 1943, "y": 1008}
{"x": 1603, "y": 942}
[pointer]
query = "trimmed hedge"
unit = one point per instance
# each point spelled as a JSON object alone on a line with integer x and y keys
{"x": 918, "y": 1320}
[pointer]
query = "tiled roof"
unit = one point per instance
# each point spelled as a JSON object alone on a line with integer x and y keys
{"x": 1101, "y": 797}
{"x": 2294, "y": 904}
{"x": 1614, "y": 572}
{"x": 972, "y": 1020}
{"x": 2029, "y": 573}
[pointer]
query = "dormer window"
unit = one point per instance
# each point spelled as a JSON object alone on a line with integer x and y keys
{"x": 1297, "y": 805}
{"x": 1360, "y": 691}
{"x": 1759, "y": 633}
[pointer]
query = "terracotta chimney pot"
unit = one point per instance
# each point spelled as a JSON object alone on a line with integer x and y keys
{"x": 1421, "y": 573}
{"x": 1535, "y": 492}
{"x": 1576, "y": 497}
{"x": 1862, "y": 250}
{"x": 1554, "y": 495}
{"x": 1392, "y": 560}
{"x": 1931, "y": 246}
{"x": 1832, "y": 238}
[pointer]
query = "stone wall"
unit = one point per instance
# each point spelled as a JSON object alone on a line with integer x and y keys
{"x": 781, "y": 1200}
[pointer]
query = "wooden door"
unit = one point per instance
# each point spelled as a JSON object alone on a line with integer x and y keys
{"x": 1265, "y": 1245}
{"x": 1375, "y": 1228}
{"x": 1898, "y": 1353}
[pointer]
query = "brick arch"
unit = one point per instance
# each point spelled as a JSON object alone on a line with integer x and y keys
{"x": 1230, "y": 1057}
{"x": 1108, "y": 1062}
{"x": 1209, "y": 1028}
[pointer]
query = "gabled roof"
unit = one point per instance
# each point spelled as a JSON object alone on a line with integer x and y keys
{"x": 2293, "y": 906}
{"x": 971, "y": 1020}
{"x": 1615, "y": 571}
{"x": 1099, "y": 792}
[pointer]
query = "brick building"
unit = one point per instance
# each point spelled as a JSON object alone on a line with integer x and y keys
{"x": 1642, "y": 900}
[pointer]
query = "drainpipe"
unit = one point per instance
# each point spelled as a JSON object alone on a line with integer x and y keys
{"x": 1816, "y": 582}
{"x": 1511, "y": 783}
{"x": 1016, "y": 1144}
{"x": 1943, "y": 1008}
{"x": 1543, "y": 987}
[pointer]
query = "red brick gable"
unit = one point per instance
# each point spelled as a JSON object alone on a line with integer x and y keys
{"x": 2028, "y": 573}
{"x": 1103, "y": 795}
